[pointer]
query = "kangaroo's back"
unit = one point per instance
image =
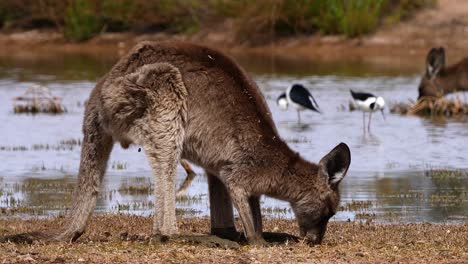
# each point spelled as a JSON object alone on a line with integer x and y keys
{"x": 196, "y": 63}
{"x": 226, "y": 113}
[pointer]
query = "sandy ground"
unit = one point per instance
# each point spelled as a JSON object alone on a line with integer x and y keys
{"x": 106, "y": 242}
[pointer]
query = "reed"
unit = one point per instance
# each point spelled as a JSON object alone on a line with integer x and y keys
{"x": 430, "y": 106}
{"x": 38, "y": 99}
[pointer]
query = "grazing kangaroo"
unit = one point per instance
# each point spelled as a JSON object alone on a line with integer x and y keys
{"x": 179, "y": 100}
{"x": 440, "y": 80}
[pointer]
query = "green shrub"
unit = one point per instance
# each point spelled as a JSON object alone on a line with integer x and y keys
{"x": 257, "y": 21}
{"x": 3, "y": 15}
{"x": 402, "y": 9}
{"x": 80, "y": 21}
{"x": 268, "y": 19}
{"x": 116, "y": 15}
{"x": 351, "y": 18}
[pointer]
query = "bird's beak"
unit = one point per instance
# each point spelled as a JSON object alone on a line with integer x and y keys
{"x": 383, "y": 114}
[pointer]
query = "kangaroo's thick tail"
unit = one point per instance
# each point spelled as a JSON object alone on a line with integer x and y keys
{"x": 188, "y": 180}
{"x": 27, "y": 238}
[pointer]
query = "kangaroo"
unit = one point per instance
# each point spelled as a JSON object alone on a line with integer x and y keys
{"x": 439, "y": 80}
{"x": 184, "y": 101}
{"x": 188, "y": 179}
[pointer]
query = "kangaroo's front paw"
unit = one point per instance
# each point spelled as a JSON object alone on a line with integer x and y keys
{"x": 229, "y": 233}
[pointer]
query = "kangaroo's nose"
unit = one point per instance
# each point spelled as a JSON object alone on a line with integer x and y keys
{"x": 312, "y": 238}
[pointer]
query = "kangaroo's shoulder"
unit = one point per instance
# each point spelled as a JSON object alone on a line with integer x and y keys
{"x": 460, "y": 67}
{"x": 188, "y": 57}
{"x": 463, "y": 64}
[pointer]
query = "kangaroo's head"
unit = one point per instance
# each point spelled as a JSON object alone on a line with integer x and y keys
{"x": 430, "y": 84}
{"x": 315, "y": 207}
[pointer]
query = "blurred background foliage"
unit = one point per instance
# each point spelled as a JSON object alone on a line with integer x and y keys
{"x": 254, "y": 21}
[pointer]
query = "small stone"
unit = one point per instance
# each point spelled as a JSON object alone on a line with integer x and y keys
{"x": 81, "y": 260}
{"x": 29, "y": 259}
{"x": 360, "y": 254}
{"x": 123, "y": 235}
{"x": 58, "y": 260}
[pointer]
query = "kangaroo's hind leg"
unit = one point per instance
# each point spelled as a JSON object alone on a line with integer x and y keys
{"x": 221, "y": 210}
{"x": 95, "y": 151}
{"x": 254, "y": 202}
{"x": 160, "y": 130}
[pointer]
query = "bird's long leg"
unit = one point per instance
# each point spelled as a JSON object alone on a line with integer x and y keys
{"x": 368, "y": 125}
{"x": 298, "y": 117}
{"x": 364, "y": 121}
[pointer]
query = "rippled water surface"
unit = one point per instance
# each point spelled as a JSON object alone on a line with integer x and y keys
{"x": 407, "y": 169}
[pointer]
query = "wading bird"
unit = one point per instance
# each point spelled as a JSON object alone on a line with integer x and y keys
{"x": 367, "y": 102}
{"x": 300, "y": 98}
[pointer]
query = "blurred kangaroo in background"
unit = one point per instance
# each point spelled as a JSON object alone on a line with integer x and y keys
{"x": 440, "y": 80}
{"x": 179, "y": 100}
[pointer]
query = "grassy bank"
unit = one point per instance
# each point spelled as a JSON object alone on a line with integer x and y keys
{"x": 255, "y": 22}
{"x": 344, "y": 243}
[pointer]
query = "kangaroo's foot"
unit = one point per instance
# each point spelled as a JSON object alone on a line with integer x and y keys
{"x": 229, "y": 233}
{"x": 25, "y": 238}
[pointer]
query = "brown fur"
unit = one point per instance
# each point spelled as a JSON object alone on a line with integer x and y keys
{"x": 180, "y": 100}
{"x": 188, "y": 180}
{"x": 440, "y": 80}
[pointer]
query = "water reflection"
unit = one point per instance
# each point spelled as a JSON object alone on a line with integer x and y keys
{"x": 296, "y": 126}
{"x": 369, "y": 139}
{"x": 43, "y": 67}
{"x": 411, "y": 196}
{"x": 416, "y": 196}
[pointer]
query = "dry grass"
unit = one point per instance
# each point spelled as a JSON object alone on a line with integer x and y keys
{"x": 429, "y": 106}
{"x": 124, "y": 238}
{"x": 38, "y": 99}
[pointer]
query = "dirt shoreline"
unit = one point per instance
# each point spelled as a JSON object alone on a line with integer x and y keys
{"x": 403, "y": 45}
{"x": 344, "y": 242}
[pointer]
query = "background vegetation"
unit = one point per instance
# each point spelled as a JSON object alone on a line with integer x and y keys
{"x": 255, "y": 21}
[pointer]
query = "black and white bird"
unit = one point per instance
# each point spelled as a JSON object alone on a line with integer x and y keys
{"x": 367, "y": 102}
{"x": 300, "y": 98}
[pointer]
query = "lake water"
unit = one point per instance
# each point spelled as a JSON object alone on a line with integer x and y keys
{"x": 395, "y": 174}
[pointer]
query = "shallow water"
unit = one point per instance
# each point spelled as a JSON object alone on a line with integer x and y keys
{"x": 389, "y": 180}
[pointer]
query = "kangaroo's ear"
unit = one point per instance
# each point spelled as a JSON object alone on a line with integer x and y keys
{"x": 435, "y": 61}
{"x": 335, "y": 164}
